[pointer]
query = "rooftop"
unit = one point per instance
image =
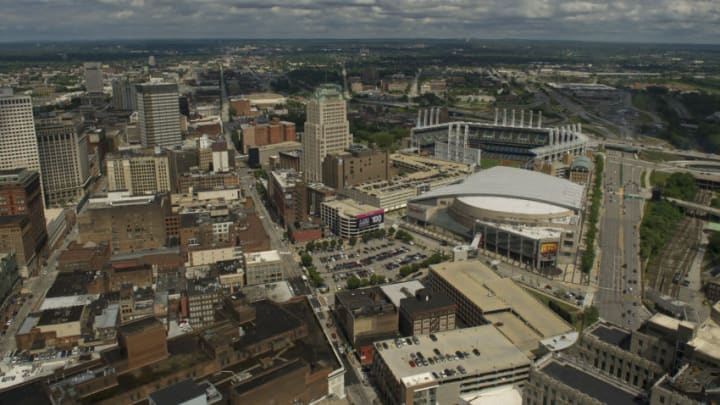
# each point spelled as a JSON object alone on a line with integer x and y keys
{"x": 16, "y": 175}
{"x": 698, "y": 383}
{"x": 397, "y": 291}
{"x": 71, "y": 283}
{"x": 488, "y": 352}
{"x": 262, "y": 257}
{"x": 501, "y": 181}
{"x": 61, "y": 315}
{"x": 612, "y": 335}
{"x": 365, "y": 302}
{"x": 493, "y": 295}
{"x": 140, "y": 325}
{"x": 177, "y": 393}
{"x": 424, "y": 300}
{"x": 350, "y": 207}
{"x": 590, "y": 383}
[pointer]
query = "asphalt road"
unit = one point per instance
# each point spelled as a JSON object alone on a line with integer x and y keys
{"x": 619, "y": 295}
{"x": 38, "y": 286}
{"x": 291, "y": 267}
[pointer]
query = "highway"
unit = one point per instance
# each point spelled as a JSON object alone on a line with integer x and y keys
{"x": 619, "y": 295}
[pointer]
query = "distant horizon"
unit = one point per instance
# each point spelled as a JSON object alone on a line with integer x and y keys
{"x": 614, "y": 21}
{"x": 370, "y": 39}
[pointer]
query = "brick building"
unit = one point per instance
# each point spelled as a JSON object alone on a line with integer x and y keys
{"x": 21, "y": 196}
{"x": 288, "y": 196}
{"x": 128, "y": 224}
{"x": 275, "y": 131}
{"x": 354, "y": 166}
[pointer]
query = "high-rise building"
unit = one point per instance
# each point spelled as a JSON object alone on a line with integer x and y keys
{"x": 93, "y": 78}
{"x": 18, "y": 144}
{"x": 327, "y": 129}
{"x": 124, "y": 97}
{"x": 22, "y": 217}
{"x": 158, "y": 114}
{"x": 64, "y": 161}
{"x": 139, "y": 172}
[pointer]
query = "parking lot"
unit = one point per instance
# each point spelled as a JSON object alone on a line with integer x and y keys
{"x": 380, "y": 257}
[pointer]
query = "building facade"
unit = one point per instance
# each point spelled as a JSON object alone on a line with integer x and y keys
{"x": 18, "y": 143}
{"x": 124, "y": 96}
{"x": 93, "y": 78}
{"x": 139, "y": 173}
{"x": 21, "y": 209}
{"x": 64, "y": 162}
{"x": 355, "y": 166}
{"x": 287, "y": 196}
{"x": 128, "y": 224}
{"x": 263, "y": 267}
{"x": 346, "y": 218}
{"x": 158, "y": 114}
{"x": 557, "y": 379}
{"x": 327, "y": 130}
{"x": 275, "y": 131}
{"x": 426, "y": 313}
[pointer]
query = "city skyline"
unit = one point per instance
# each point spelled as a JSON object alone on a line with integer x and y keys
{"x": 642, "y": 21}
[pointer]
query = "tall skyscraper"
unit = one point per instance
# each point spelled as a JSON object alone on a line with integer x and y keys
{"x": 327, "y": 129}
{"x": 158, "y": 114}
{"x": 18, "y": 144}
{"x": 124, "y": 97}
{"x": 93, "y": 78}
{"x": 64, "y": 162}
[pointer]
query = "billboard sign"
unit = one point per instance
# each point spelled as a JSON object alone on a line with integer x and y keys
{"x": 369, "y": 219}
{"x": 548, "y": 249}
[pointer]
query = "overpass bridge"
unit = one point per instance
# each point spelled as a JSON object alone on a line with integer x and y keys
{"x": 698, "y": 208}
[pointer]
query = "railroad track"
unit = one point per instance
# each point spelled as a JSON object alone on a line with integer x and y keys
{"x": 678, "y": 253}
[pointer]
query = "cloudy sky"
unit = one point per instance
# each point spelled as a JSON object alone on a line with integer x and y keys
{"x": 605, "y": 20}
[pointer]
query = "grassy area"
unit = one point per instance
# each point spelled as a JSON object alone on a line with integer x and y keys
{"x": 559, "y": 306}
{"x": 642, "y": 179}
{"x": 657, "y": 156}
{"x": 488, "y": 163}
{"x": 658, "y": 178}
{"x": 643, "y": 101}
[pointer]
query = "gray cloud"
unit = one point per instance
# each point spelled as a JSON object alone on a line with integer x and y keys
{"x": 611, "y": 20}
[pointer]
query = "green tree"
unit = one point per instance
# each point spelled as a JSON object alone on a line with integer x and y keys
{"x": 352, "y": 241}
{"x": 590, "y": 316}
{"x": 306, "y": 260}
{"x": 376, "y": 279}
{"x": 353, "y": 283}
{"x": 310, "y": 246}
{"x": 325, "y": 244}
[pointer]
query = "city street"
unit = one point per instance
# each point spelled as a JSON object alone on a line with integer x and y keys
{"x": 38, "y": 286}
{"x": 275, "y": 233}
{"x": 619, "y": 295}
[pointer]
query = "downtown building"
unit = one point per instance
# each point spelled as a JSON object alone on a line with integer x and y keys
{"x": 93, "y": 78}
{"x": 327, "y": 130}
{"x": 64, "y": 160}
{"x": 139, "y": 172}
{"x": 18, "y": 144}
{"x": 22, "y": 218}
{"x": 158, "y": 114}
{"x": 124, "y": 96}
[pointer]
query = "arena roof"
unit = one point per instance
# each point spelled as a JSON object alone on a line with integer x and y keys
{"x": 519, "y": 205}
{"x": 501, "y": 181}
